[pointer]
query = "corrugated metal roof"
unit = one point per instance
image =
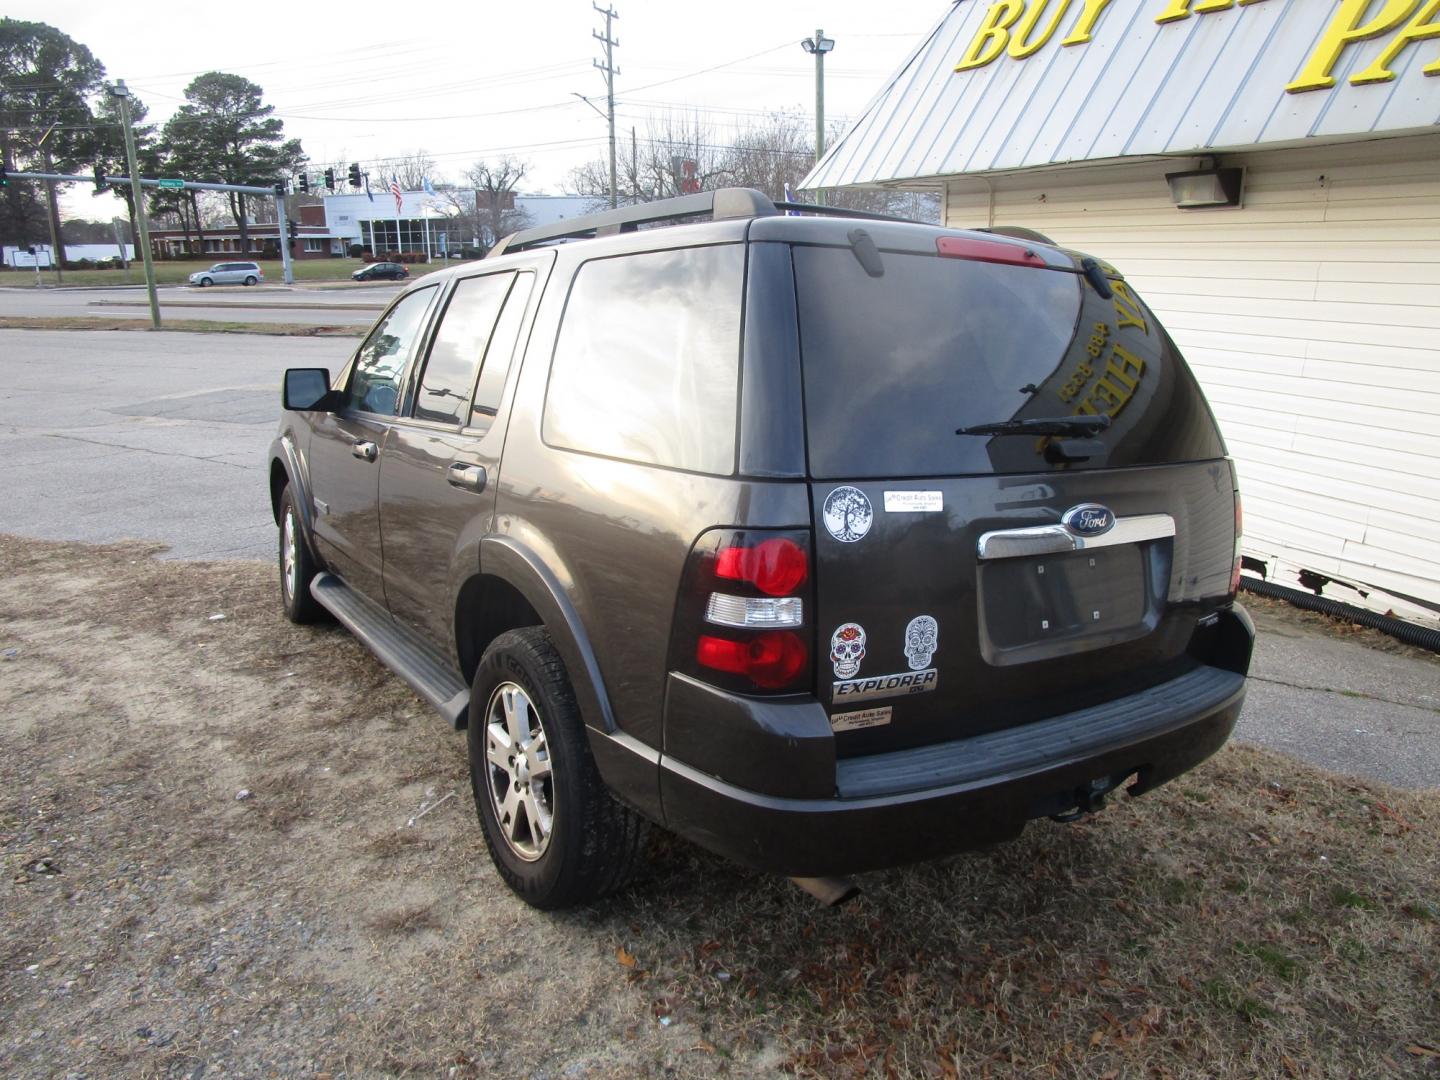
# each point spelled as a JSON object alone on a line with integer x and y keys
{"x": 1211, "y": 81}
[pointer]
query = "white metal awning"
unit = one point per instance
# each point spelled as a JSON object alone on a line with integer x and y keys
{"x": 1046, "y": 82}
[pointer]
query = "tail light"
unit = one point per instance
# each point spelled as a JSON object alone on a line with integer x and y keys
{"x": 992, "y": 251}
{"x": 742, "y": 619}
{"x": 1239, "y": 532}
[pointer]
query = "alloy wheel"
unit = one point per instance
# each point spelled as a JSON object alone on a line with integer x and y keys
{"x": 517, "y": 772}
{"x": 289, "y": 561}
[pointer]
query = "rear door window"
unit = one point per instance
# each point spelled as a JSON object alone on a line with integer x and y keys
{"x": 459, "y": 343}
{"x": 501, "y": 352}
{"x": 646, "y": 367}
{"x": 380, "y": 363}
{"x": 894, "y": 365}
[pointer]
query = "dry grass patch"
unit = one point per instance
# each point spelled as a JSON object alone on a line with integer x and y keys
{"x": 1255, "y": 918}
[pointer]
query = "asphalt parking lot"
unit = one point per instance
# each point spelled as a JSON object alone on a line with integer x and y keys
{"x": 112, "y": 436}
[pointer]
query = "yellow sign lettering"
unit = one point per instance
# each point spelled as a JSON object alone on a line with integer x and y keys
{"x": 994, "y": 34}
{"x": 1347, "y": 27}
{"x": 1127, "y": 308}
{"x": 1108, "y": 398}
{"x": 1022, "y": 44}
{"x": 1125, "y": 366}
{"x": 1085, "y": 25}
{"x": 1425, "y": 25}
{"x": 1183, "y": 9}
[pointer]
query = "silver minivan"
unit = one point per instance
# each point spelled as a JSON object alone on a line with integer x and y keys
{"x": 229, "y": 273}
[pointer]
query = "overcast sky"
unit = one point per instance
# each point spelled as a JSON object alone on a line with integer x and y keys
{"x": 366, "y": 81}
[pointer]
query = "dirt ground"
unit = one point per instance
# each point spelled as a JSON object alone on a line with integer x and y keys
{"x": 1270, "y": 613}
{"x": 232, "y": 846}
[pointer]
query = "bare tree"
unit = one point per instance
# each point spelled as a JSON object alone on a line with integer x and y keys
{"x": 412, "y": 169}
{"x": 494, "y": 187}
{"x": 765, "y": 155}
{"x": 772, "y": 153}
{"x": 654, "y": 166}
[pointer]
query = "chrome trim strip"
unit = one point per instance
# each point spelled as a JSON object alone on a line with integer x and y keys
{"x": 1055, "y": 539}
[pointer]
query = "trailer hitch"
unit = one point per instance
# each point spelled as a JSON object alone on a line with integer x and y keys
{"x": 1089, "y": 799}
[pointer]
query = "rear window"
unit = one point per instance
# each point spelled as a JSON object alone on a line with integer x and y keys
{"x": 647, "y": 365}
{"x": 894, "y": 364}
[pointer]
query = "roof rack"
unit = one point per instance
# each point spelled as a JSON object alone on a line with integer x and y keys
{"x": 721, "y": 204}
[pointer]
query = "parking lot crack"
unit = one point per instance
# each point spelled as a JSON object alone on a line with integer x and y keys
{"x": 1346, "y": 693}
{"x": 146, "y": 450}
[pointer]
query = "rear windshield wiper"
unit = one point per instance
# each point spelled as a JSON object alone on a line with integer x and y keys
{"x": 1041, "y": 425}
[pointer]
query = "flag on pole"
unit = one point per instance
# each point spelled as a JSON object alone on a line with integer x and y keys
{"x": 395, "y": 190}
{"x": 367, "y": 188}
{"x": 428, "y": 187}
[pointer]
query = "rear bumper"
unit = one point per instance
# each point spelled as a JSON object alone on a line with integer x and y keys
{"x": 906, "y": 806}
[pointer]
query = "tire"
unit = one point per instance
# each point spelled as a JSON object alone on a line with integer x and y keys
{"x": 251, "y": 280}
{"x": 590, "y": 845}
{"x": 297, "y": 567}
{"x": 206, "y": 282}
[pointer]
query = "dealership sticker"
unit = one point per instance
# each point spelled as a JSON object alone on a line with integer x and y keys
{"x": 847, "y": 514}
{"x": 913, "y": 502}
{"x": 861, "y": 718}
{"x": 881, "y": 686}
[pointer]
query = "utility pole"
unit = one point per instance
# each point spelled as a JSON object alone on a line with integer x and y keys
{"x": 634, "y": 170}
{"x": 122, "y": 92}
{"x": 57, "y": 253}
{"x": 610, "y": 71}
{"x": 819, "y": 45}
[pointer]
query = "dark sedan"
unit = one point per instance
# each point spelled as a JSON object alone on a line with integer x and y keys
{"x": 382, "y": 270}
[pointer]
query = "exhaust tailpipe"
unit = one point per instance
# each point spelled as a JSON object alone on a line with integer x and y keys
{"x": 830, "y": 891}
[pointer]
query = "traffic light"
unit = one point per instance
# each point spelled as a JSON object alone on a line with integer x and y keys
{"x": 4, "y": 177}
{"x": 291, "y": 230}
{"x": 279, "y": 189}
{"x": 100, "y": 184}
{"x": 330, "y": 179}
{"x": 354, "y": 174}
{"x": 304, "y": 184}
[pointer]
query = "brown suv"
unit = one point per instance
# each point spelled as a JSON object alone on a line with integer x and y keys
{"x": 829, "y": 543}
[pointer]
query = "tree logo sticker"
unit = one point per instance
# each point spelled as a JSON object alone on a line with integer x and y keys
{"x": 847, "y": 514}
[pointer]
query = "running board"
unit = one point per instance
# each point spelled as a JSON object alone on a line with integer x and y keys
{"x": 399, "y": 649}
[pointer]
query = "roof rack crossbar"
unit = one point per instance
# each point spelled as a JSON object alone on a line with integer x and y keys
{"x": 840, "y": 211}
{"x": 719, "y": 205}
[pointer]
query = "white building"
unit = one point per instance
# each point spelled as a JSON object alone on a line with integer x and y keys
{"x": 1310, "y": 310}
{"x": 11, "y": 255}
{"x": 421, "y": 222}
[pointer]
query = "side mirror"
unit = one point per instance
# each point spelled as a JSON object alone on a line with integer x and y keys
{"x": 306, "y": 388}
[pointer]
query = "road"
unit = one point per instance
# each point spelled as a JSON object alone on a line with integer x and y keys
{"x": 112, "y": 435}
{"x": 356, "y": 305}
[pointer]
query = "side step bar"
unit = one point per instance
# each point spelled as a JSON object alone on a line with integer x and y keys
{"x": 402, "y": 651}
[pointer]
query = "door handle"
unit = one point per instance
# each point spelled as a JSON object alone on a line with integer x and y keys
{"x": 469, "y": 477}
{"x": 365, "y": 450}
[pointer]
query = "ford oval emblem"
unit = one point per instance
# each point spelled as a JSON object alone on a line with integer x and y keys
{"x": 1088, "y": 519}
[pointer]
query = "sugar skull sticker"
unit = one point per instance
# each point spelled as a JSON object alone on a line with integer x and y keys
{"x": 922, "y": 640}
{"x": 847, "y": 514}
{"x": 847, "y": 649}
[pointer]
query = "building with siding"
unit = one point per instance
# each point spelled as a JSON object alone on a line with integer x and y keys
{"x": 1310, "y": 310}
{"x": 311, "y": 239}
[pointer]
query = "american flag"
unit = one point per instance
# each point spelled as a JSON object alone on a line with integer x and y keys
{"x": 395, "y": 190}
